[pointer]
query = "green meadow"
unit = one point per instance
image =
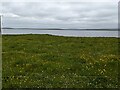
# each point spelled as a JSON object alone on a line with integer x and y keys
{"x": 0, "y": 61}
{"x": 46, "y": 61}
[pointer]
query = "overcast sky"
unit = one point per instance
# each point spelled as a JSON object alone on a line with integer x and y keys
{"x": 60, "y": 14}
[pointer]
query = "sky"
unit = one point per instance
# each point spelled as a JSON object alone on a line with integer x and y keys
{"x": 79, "y": 14}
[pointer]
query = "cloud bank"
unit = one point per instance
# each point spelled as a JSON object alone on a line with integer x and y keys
{"x": 60, "y": 14}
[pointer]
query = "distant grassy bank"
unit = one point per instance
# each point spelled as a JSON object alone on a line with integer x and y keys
{"x": 45, "y": 61}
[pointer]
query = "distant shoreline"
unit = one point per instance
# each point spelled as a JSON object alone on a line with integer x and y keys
{"x": 58, "y": 35}
{"x": 62, "y": 29}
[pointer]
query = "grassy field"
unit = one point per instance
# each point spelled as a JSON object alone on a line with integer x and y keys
{"x": 0, "y": 62}
{"x": 46, "y": 61}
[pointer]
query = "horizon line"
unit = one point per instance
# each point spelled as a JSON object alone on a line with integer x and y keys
{"x": 53, "y": 28}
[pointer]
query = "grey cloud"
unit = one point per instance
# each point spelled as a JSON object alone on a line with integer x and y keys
{"x": 60, "y": 14}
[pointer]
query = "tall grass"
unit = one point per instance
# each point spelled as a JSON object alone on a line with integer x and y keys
{"x": 45, "y": 61}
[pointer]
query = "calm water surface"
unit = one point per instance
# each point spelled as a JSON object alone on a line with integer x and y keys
{"x": 74, "y": 33}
